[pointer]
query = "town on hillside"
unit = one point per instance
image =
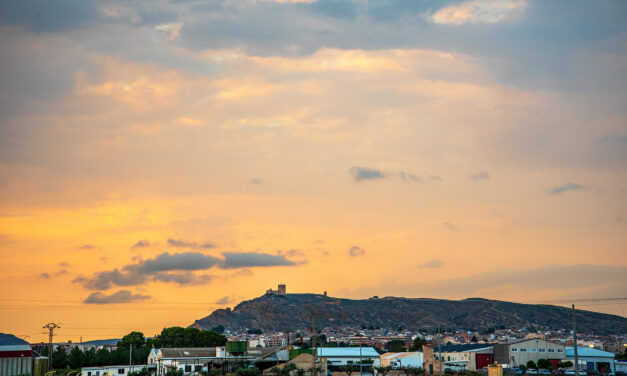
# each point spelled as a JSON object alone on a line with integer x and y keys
{"x": 323, "y": 351}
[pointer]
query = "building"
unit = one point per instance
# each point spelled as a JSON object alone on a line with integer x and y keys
{"x": 281, "y": 290}
{"x": 470, "y": 357}
{"x": 517, "y": 352}
{"x": 112, "y": 370}
{"x": 431, "y": 362}
{"x": 592, "y": 359}
{"x": 16, "y": 356}
{"x": 401, "y": 360}
{"x": 336, "y": 357}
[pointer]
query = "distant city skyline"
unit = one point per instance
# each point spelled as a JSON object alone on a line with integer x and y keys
{"x": 162, "y": 159}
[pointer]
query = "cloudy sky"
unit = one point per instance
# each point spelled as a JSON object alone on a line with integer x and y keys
{"x": 161, "y": 159}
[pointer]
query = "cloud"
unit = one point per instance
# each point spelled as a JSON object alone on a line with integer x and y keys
{"x": 178, "y": 261}
{"x": 252, "y": 259}
{"x": 64, "y": 264}
{"x": 186, "y": 278}
{"x": 483, "y": 175}
{"x": 567, "y": 187}
{"x": 85, "y": 247}
{"x": 141, "y": 244}
{"x": 292, "y": 253}
{"x": 122, "y": 296}
{"x": 409, "y": 176}
{"x": 104, "y": 280}
{"x": 333, "y": 8}
{"x": 242, "y": 273}
{"x": 255, "y": 181}
{"x": 364, "y": 173}
{"x": 185, "y": 244}
{"x": 355, "y": 251}
{"x": 435, "y": 177}
{"x": 432, "y": 264}
{"x": 224, "y": 300}
{"x": 45, "y": 275}
{"x": 49, "y": 16}
{"x": 484, "y": 11}
{"x": 450, "y": 226}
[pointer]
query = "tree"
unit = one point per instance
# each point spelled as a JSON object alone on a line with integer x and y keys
{"x": 543, "y": 363}
{"x": 254, "y": 371}
{"x": 102, "y": 357}
{"x": 383, "y": 370}
{"x": 532, "y": 364}
{"x": 418, "y": 343}
{"x": 77, "y": 358}
{"x": 136, "y": 339}
{"x": 218, "y": 329}
{"x": 396, "y": 345}
{"x": 349, "y": 369}
{"x": 566, "y": 364}
{"x": 59, "y": 358}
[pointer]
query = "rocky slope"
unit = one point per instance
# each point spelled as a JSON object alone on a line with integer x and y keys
{"x": 292, "y": 312}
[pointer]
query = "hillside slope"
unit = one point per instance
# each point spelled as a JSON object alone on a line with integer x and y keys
{"x": 291, "y": 312}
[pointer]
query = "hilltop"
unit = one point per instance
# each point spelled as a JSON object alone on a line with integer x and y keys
{"x": 291, "y": 312}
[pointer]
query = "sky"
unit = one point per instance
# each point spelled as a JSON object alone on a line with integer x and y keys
{"x": 163, "y": 159}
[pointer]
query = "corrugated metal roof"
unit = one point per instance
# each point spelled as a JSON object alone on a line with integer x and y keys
{"x": 191, "y": 352}
{"x": 466, "y": 347}
{"x": 392, "y": 355}
{"x": 347, "y": 351}
{"x": 586, "y": 351}
{"x": 15, "y": 348}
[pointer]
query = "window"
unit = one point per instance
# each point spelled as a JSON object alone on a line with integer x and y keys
{"x": 532, "y": 350}
{"x": 541, "y": 350}
{"x": 550, "y": 350}
{"x": 523, "y": 350}
{"x": 560, "y": 350}
{"x": 448, "y": 358}
{"x": 88, "y": 373}
{"x": 197, "y": 368}
{"x": 188, "y": 368}
{"x": 514, "y": 349}
{"x": 120, "y": 371}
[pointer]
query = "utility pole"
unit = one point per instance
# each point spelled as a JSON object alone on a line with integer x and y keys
{"x": 51, "y": 327}
{"x": 440, "y": 350}
{"x": 130, "y": 357}
{"x": 360, "y": 361}
{"x": 575, "y": 342}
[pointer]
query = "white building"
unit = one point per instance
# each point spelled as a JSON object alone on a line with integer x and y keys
{"x": 592, "y": 359}
{"x": 121, "y": 370}
{"x": 342, "y": 356}
{"x": 400, "y": 360}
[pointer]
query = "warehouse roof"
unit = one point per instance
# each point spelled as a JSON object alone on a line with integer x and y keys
{"x": 347, "y": 351}
{"x": 587, "y": 351}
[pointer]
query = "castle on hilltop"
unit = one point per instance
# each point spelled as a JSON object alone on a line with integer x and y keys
{"x": 279, "y": 291}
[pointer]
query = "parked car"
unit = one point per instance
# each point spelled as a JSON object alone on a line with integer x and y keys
{"x": 569, "y": 372}
{"x": 518, "y": 371}
{"x": 532, "y": 371}
{"x": 558, "y": 371}
{"x": 544, "y": 371}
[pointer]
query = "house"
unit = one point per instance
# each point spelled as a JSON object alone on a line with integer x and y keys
{"x": 517, "y": 352}
{"x": 592, "y": 359}
{"x": 432, "y": 363}
{"x": 400, "y": 360}
{"x": 121, "y": 370}
{"x": 468, "y": 357}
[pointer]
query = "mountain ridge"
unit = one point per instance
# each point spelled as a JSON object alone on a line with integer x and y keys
{"x": 272, "y": 312}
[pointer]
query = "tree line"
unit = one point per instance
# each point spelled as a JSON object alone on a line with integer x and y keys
{"x": 169, "y": 337}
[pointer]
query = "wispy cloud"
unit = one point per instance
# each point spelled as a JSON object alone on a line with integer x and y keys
{"x": 86, "y": 247}
{"x": 141, "y": 244}
{"x": 432, "y": 264}
{"x": 255, "y": 181}
{"x": 179, "y": 243}
{"x": 567, "y": 187}
{"x": 450, "y": 226}
{"x": 254, "y": 259}
{"x": 355, "y": 251}
{"x": 122, "y": 296}
{"x": 483, "y": 175}
{"x": 364, "y": 173}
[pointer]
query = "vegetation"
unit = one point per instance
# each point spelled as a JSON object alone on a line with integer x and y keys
{"x": 396, "y": 345}
{"x": 531, "y": 364}
{"x": 418, "y": 343}
{"x": 414, "y": 371}
{"x": 544, "y": 363}
{"x": 383, "y": 370}
{"x": 566, "y": 364}
{"x": 169, "y": 337}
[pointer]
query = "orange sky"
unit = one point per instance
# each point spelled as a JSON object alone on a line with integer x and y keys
{"x": 418, "y": 156}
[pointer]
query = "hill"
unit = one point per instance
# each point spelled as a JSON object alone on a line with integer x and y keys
{"x": 291, "y": 312}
